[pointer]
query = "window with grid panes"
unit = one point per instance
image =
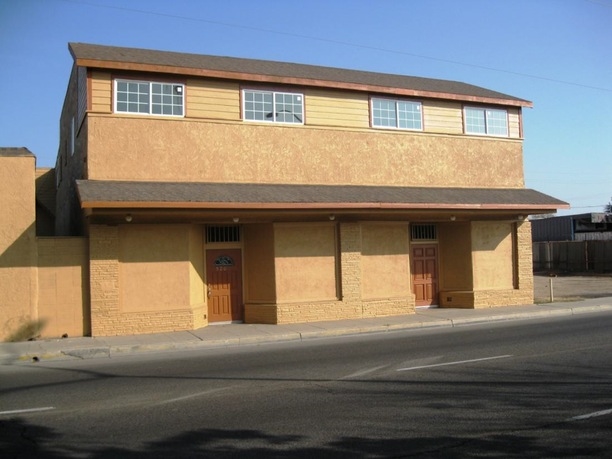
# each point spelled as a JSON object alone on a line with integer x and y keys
{"x": 397, "y": 114}
{"x": 273, "y": 106}
{"x": 486, "y": 121}
{"x": 149, "y": 98}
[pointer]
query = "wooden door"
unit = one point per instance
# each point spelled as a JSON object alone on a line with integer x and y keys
{"x": 425, "y": 274}
{"x": 224, "y": 283}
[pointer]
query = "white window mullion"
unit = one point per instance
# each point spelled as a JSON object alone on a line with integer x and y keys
{"x": 397, "y": 115}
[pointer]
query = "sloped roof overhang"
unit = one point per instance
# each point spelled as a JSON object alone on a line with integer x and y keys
{"x": 102, "y": 196}
{"x": 261, "y": 71}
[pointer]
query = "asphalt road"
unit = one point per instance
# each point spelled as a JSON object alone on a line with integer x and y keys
{"x": 527, "y": 388}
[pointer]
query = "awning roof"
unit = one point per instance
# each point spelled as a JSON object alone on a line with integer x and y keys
{"x": 106, "y": 194}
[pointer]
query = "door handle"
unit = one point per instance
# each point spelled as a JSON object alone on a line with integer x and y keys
{"x": 209, "y": 292}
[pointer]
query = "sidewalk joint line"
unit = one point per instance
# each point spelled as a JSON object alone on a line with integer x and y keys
{"x": 196, "y": 336}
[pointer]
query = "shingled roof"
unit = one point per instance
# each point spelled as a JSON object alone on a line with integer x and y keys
{"x": 119, "y": 58}
{"x": 123, "y": 194}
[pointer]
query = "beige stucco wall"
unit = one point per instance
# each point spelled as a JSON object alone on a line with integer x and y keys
{"x": 63, "y": 280}
{"x": 501, "y": 267}
{"x": 258, "y": 263}
{"x": 455, "y": 256}
{"x": 43, "y": 281}
{"x": 385, "y": 262}
{"x": 197, "y": 297}
{"x": 492, "y": 255}
{"x": 305, "y": 262}
{"x": 355, "y": 252}
{"x": 523, "y": 291}
{"x": 154, "y": 260}
{"x": 146, "y": 278}
{"x": 18, "y": 255}
{"x": 335, "y": 145}
{"x": 144, "y": 148}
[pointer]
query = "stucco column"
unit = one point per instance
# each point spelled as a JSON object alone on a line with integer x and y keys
{"x": 350, "y": 261}
{"x": 524, "y": 258}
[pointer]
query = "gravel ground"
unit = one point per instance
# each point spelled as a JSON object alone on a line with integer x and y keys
{"x": 569, "y": 288}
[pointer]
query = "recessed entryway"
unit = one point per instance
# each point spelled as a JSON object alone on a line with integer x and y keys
{"x": 425, "y": 274}
{"x": 424, "y": 255}
{"x": 224, "y": 285}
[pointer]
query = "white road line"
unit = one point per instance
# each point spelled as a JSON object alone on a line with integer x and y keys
{"x": 455, "y": 363}
{"x": 187, "y": 397}
{"x": 363, "y": 372}
{"x": 591, "y": 415}
{"x": 29, "y": 410}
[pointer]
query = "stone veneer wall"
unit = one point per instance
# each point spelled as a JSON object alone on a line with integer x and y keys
{"x": 523, "y": 291}
{"x": 107, "y": 318}
{"x": 351, "y": 305}
{"x": 522, "y": 294}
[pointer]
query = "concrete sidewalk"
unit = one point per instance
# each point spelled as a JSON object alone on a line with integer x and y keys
{"x": 248, "y": 334}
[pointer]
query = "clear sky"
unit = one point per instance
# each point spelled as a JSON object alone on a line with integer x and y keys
{"x": 555, "y": 53}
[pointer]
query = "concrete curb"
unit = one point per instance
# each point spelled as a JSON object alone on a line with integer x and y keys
{"x": 54, "y": 350}
{"x": 513, "y": 316}
{"x": 534, "y": 314}
{"x": 594, "y": 308}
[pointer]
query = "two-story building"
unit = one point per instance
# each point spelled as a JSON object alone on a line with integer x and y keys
{"x": 217, "y": 189}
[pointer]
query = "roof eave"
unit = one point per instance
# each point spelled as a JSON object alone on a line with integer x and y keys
{"x": 251, "y": 77}
{"x": 284, "y": 206}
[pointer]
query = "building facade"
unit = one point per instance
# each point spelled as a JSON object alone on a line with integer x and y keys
{"x": 215, "y": 189}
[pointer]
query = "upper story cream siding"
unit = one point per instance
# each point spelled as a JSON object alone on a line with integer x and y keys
{"x": 221, "y": 100}
{"x": 514, "y": 122}
{"x": 335, "y": 108}
{"x": 101, "y": 92}
{"x": 444, "y": 117}
{"x": 212, "y": 99}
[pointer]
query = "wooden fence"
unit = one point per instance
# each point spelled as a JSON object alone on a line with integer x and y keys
{"x": 573, "y": 256}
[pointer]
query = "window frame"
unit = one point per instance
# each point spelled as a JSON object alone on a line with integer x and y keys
{"x": 487, "y": 122}
{"x": 274, "y": 94}
{"x": 150, "y": 83}
{"x": 396, "y": 102}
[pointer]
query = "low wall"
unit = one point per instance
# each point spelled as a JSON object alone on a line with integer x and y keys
{"x": 63, "y": 293}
